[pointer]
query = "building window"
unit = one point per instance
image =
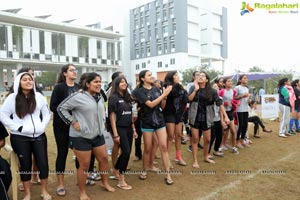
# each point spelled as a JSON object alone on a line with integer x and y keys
{"x": 165, "y": 30}
{"x": 172, "y": 61}
{"x": 172, "y": 46}
{"x": 159, "y": 64}
{"x": 156, "y": 32}
{"x": 137, "y": 67}
{"x": 166, "y": 65}
{"x": 3, "y": 37}
{"x": 165, "y": 47}
{"x": 42, "y": 42}
{"x": 143, "y": 65}
{"x": 62, "y": 44}
{"x": 148, "y": 51}
{"x": 158, "y": 16}
{"x": 136, "y": 23}
{"x": 159, "y": 49}
{"x": 99, "y": 49}
{"x": 54, "y": 39}
{"x": 137, "y": 53}
{"x": 171, "y": 12}
{"x": 165, "y": 14}
{"x": 174, "y": 28}
{"x": 149, "y": 35}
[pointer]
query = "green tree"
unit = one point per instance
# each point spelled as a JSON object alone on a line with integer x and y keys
{"x": 187, "y": 74}
{"x": 47, "y": 78}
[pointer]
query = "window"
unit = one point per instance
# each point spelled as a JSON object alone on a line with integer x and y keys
{"x": 3, "y": 38}
{"x": 172, "y": 61}
{"x": 172, "y": 46}
{"x": 171, "y": 12}
{"x": 165, "y": 29}
{"x": 158, "y": 16}
{"x": 159, "y": 64}
{"x": 136, "y": 25}
{"x": 149, "y": 34}
{"x": 99, "y": 49}
{"x": 143, "y": 65}
{"x": 62, "y": 45}
{"x": 159, "y": 49}
{"x": 166, "y": 65}
{"x": 174, "y": 28}
{"x": 42, "y": 42}
{"x": 148, "y": 50}
{"x": 156, "y": 32}
{"x": 137, "y": 67}
{"x": 147, "y": 19}
{"x": 164, "y": 14}
{"x": 54, "y": 39}
{"x": 137, "y": 53}
{"x": 165, "y": 47}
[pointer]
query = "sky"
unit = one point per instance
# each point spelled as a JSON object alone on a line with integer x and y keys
{"x": 269, "y": 41}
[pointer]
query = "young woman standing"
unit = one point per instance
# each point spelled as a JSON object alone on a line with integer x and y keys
{"x": 21, "y": 113}
{"x": 242, "y": 94}
{"x": 86, "y": 130}
{"x": 201, "y": 114}
{"x": 152, "y": 121}
{"x": 230, "y": 104}
{"x": 122, "y": 124}
{"x": 296, "y": 112}
{"x": 65, "y": 86}
{"x": 173, "y": 114}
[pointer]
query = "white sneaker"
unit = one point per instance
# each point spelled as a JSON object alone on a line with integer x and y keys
{"x": 223, "y": 148}
{"x": 235, "y": 150}
{"x": 282, "y": 135}
{"x": 288, "y": 134}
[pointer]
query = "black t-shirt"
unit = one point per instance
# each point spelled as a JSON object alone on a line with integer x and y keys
{"x": 176, "y": 101}
{"x": 122, "y": 109}
{"x": 297, "y": 101}
{"x": 3, "y": 131}
{"x": 150, "y": 116}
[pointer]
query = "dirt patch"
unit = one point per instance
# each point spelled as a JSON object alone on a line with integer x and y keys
{"x": 269, "y": 168}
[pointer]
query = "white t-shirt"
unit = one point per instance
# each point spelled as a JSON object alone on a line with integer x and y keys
{"x": 240, "y": 90}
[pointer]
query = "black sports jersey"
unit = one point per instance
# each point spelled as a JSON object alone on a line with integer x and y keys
{"x": 122, "y": 109}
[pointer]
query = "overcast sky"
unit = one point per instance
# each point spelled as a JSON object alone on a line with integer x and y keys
{"x": 270, "y": 41}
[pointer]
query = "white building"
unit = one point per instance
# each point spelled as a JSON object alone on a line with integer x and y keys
{"x": 46, "y": 46}
{"x": 175, "y": 35}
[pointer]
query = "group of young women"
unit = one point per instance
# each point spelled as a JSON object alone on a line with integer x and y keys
{"x": 79, "y": 122}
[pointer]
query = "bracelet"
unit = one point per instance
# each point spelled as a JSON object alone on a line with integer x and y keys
{"x": 116, "y": 136}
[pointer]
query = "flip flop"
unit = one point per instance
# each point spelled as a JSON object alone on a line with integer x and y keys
{"x": 21, "y": 187}
{"x": 113, "y": 177}
{"x": 143, "y": 176}
{"x": 61, "y": 192}
{"x": 169, "y": 181}
{"x": 124, "y": 187}
{"x": 210, "y": 161}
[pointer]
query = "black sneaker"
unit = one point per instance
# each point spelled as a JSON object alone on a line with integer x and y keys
{"x": 298, "y": 131}
{"x": 183, "y": 141}
{"x": 292, "y": 132}
{"x": 200, "y": 146}
{"x": 189, "y": 148}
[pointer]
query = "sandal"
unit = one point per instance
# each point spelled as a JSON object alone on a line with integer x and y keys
{"x": 143, "y": 176}
{"x": 47, "y": 197}
{"x": 61, "y": 192}
{"x": 209, "y": 161}
{"x": 267, "y": 130}
{"x": 94, "y": 176}
{"x": 21, "y": 187}
{"x": 169, "y": 181}
{"x": 124, "y": 187}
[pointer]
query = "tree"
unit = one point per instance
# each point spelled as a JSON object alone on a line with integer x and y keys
{"x": 187, "y": 74}
{"x": 257, "y": 84}
{"x": 47, "y": 78}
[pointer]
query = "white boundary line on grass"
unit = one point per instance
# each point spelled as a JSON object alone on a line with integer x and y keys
{"x": 235, "y": 183}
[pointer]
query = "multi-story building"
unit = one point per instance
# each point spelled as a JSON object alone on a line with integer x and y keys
{"x": 44, "y": 45}
{"x": 176, "y": 34}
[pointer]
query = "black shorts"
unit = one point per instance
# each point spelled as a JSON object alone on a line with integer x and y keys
{"x": 83, "y": 144}
{"x": 173, "y": 118}
{"x": 229, "y": 115}
{"x": 200, "y": 125}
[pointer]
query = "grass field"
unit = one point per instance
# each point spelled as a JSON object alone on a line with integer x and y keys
{"x": 269, "y": 169}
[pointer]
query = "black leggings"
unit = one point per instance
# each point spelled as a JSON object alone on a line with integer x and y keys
{"x": 126, "y": 136}
{"x": 243, "y": 125}
{"x": 62, "y": 145}
{"x": 138, "y": 141}
{"x": 24, "y": 147}
{"x": 256, "y": 120}
{"x": 216, "y": 133}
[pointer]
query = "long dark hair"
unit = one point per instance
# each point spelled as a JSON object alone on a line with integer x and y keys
{"x": 169, "y": 79}
{"x": 294, "y": 83}
{"x": 142, "y": 75}
{"x": 82, "y": 80}
{"x": 207, "y": 86}
{"x": 240, "y": 79}
{"x": 282, "y": 81}
{"x": 89, "y": 78}
{"x": 61, "y": 77}
{"x": 25, "y": 105}
{"x": 116, "y": 89}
